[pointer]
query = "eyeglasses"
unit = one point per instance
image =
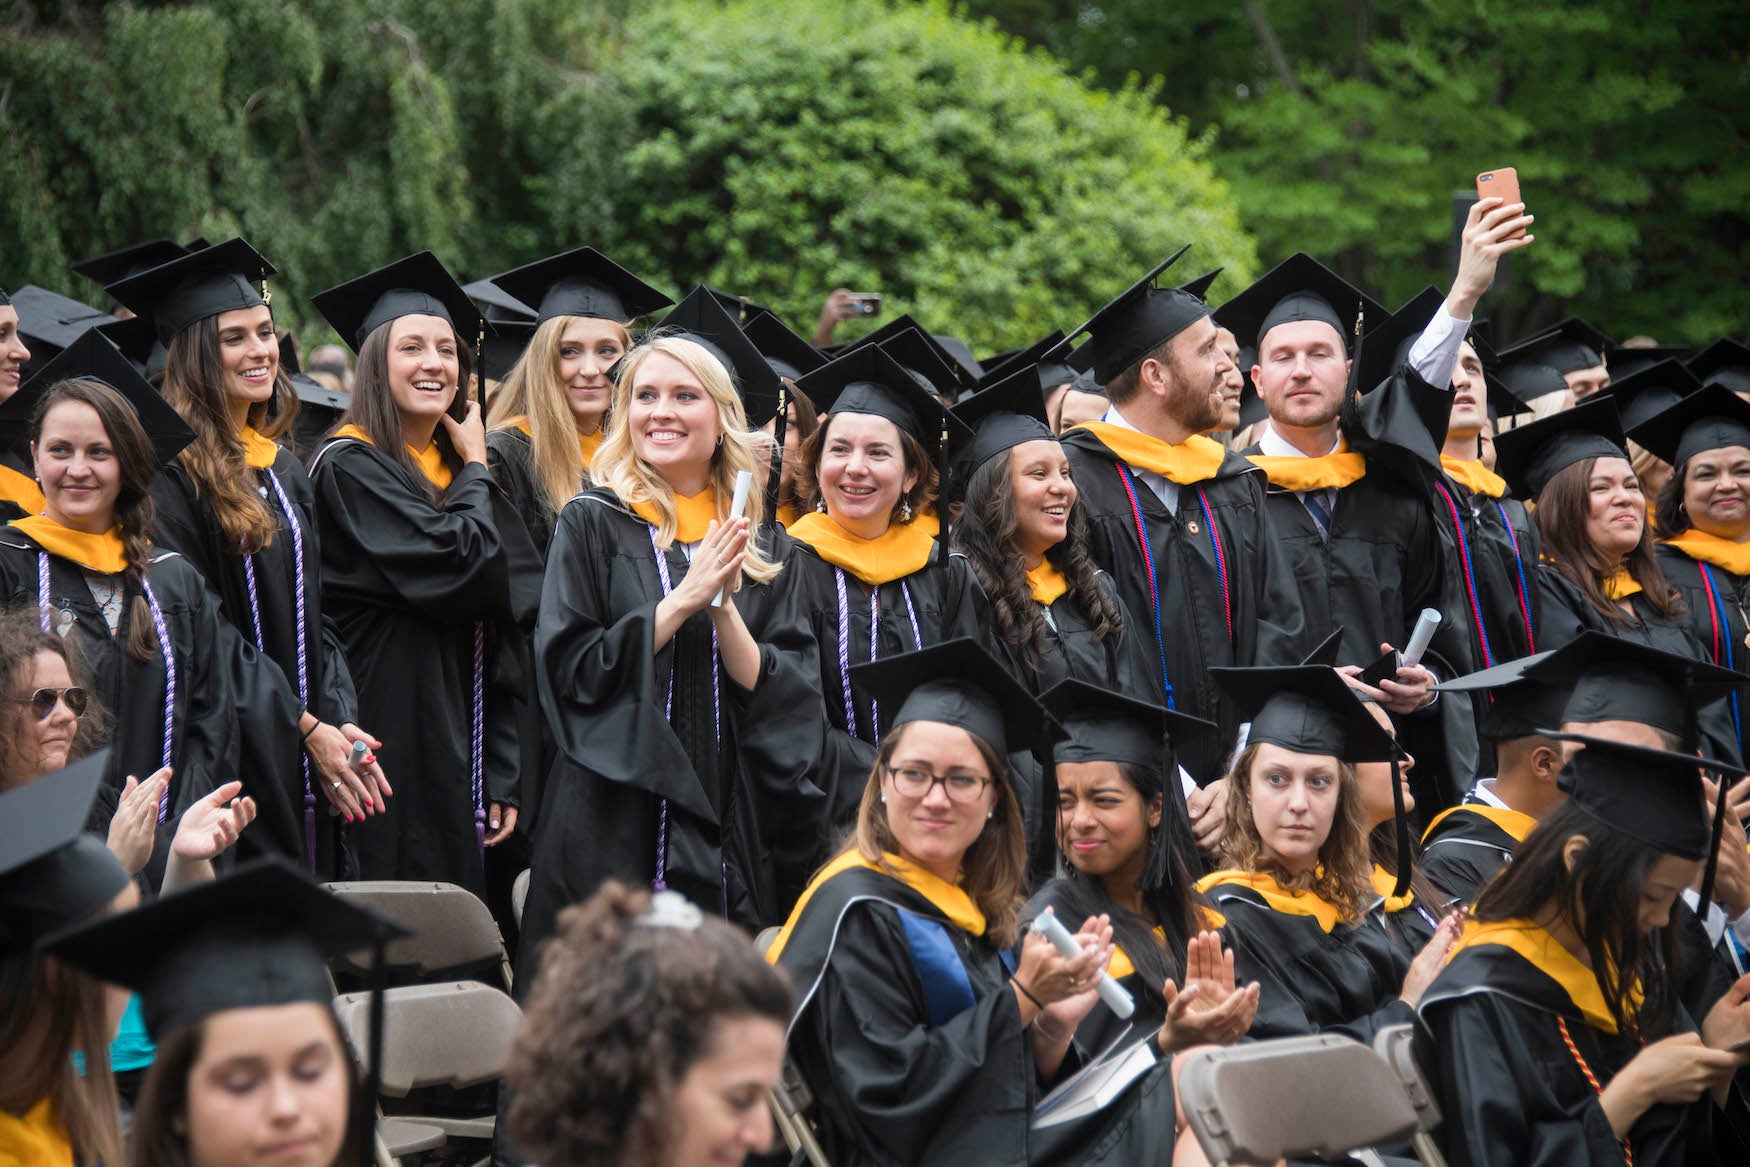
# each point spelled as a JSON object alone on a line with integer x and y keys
{"x": 960, "y": 787}
{"x": 43, "y": 701}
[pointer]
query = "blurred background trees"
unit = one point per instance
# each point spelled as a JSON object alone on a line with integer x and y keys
{"x": 998, "y": 168}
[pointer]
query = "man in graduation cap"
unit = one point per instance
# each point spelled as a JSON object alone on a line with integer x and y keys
{"x": 1175, "y": 519}
{"x": 1724, "y": 362}
{"x": 1572, "y": 348}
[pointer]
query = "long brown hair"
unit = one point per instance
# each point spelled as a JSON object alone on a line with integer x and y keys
{"x": 134, "y": 510}
{"x": 1344, "y": 874}
{"x": 194, "y": 379}
{"x": 994, "y": 868}
{"x": 1561, "y": 513}
{"x": 163, "y": 1101}
{"x": 917, "y": 459}
{"x": 374, "y": 411}
{"x": 806, "y": 423}
{"x": 22, "y": 640}
{"x": 47, "y": 1011}
{"x": 534, "y": 391}
{"x": 986, "y": 534}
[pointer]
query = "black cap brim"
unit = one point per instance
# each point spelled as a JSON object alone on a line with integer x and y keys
{"x": 959, "y": 683}
{"x": 418, "y": 285}
{"x": 196, "y": 286}
{"x": 699, "y": 316}
{"x": 1710, "y": 418}
{"x": 1308, "y": 709}
{"x": 1528, "y": 456}
{"x": 581, "y": 282}
{"x": 95, "y": 357}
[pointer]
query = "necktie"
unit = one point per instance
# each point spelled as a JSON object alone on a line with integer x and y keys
{"x": 1319, "y": 510}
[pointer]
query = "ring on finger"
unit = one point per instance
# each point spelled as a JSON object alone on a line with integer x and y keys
{"x": 337, "y": 784}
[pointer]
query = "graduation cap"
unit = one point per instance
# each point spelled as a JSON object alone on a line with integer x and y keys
{"x": 940, "y": 368}
{"x": 1103, "y": 726}
{"x": 581, "y": 282}
{"x": 1648, "y": 392}
{"x": 869, "y": 380}
{"x": 49, "y": 321}
{"x": 1522, "y": 706}
{"x": 418, "y": 285}
{"x": 1252, "y": 407}
{"x": 1724, "y": 362}
{"x": 1199, "y": 287}
{"x": 94, "y": 357}
{"x": 313, "y": 394}
{"x": 1652, "y": 796}
{"x": 1389, "y": 342}
{"x": 1711, "y": 418}
{"x": 1566, "y": 347}
{"x": 195, "y": 286}
{"x": 113, "y": 266}
{"x": 1625, "y": 360}
{"x": 138, "y": 341}
{"x": 1528, "y": 456}
{"x": 741, "y": 308}
{"x": 1614, "y": 679}
{"x": 52, "y": 874}
{"x": 1309, "y": 709}
{"x": 959, "y": 683}
{"x": 785, "y": 351}
{"x": 1135, "y": 323}
{"x": 1527, "y": 380}
{"x": 496, "y": 305}
{"x": 1011, "y": 411}
{"x": 961, "y": 354}
{"x": 1052, "y": 373}
{"x": 699, "y": 317}
{"x": 1300, "y": 288}
{"x": 505, "y": 346}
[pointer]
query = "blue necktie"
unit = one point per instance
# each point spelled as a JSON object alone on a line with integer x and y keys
{"x": 1315, "y": 505}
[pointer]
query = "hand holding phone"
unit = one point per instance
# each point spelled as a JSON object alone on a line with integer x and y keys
{"x": 1501, "y": 184}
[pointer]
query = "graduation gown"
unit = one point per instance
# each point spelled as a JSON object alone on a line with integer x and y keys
{"x": 214, "y": 667}
{"x": 1510, "y": 1089}
{"x": 1492, "y": 553}
{"x": 666, "y": 767}
{"x": 19, "y": 493}
{"x": 1408, "y": 923}
{"x": 273, "y": 765}
{"x": 1467, "y": 845}
{"x": 910, "y": 1038}
{"x": 1122, "y": 663}
{"x": 1238, "y": 605}
{"x": 510, "y": 456}
{"x": 1718, "y": 601}
{"x": 406, "y": 584}
{"x": 1566, "y": 614}
{"x": 1315, "y": 973}
{"x": 1100, "y": 1028}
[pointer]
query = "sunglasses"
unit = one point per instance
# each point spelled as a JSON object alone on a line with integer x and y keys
{"x": 43, "y": 701}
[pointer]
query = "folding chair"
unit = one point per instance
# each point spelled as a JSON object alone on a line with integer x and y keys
{"x": 792, "y": 1101}
{"x": 398, "y": 1139}
{"x": 1396, "y": 1044}
{"x": 1320, "y": 1095}
{"x": 519, "y": 895}
{"x": 450, "y": 927}
{"x": 456, "y": 1034}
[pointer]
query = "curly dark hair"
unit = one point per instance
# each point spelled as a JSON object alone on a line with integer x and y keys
{"x": 617, "y": 1015}
{"x": 917, "y": 459}
{"x": 22, "y": 640}
{"x": 986, "y": 534}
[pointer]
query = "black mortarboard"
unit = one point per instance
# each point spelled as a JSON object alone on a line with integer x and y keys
{"x": 1103, "y": 726}
{"x": 418, "y": 285}
{"x": 52, "y": 874}
{"x": 497, "y": 305}
{"x": 868, "y": 380}
{"x": 1389, "y": 343}
{"x": 997, "y": 365}
{"x": 1086, "y": 382}
{"x": 1004, "y": 415}
{"x": 1708, "y": 419}
{"x": 700, "y": 317}
{"x": 1136, "y": 322}
{"x": 1527, "y": 380}
{"x": 1308, "y": 709}
{"x": 138, "y": 341}
{"x": 1613, "y": 679}
{"x": 505, "y": 346}
{"x": 1650, "y": 391}
{"x": 581, "y": 282}
{"x": 195, "y": 286}
{"x": 939, "y": 367}
{"x": 313, "y": 394}
{"x": 1300, "y": 288}
{"x": 262, "y": 935}
{"x": 1528, "y": 456}
{"x": 123, "y": 262}
{"x": 1522, "y": 705}
{"x": 961, "y": 354}
{"x": 1200, "y": 286}
{"x": 786, "y": 352}
{"x": 94, "y": 356}
{"x": 1653, "y": 796}
{"x": 958, "y": 683}
{"x": 1252, "y": 407}
{"x": 740, "y": 308}
{"x": 1724, "y": 362}
{"x": 1625, "y": 360}
{"x": 49, "y": 321}
{"x": 1566, "y": 347}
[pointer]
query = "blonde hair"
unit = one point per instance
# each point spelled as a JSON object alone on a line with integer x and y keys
{"x": 1344, "y": 873}
{"x": 533, "y": 390}
{"x": 993, "y": 869}
{"x": 1536, "y": 409}
{"x": 617, "y": 466}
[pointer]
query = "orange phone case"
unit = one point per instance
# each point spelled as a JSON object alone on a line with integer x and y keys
{"x": 1501, "y": 184}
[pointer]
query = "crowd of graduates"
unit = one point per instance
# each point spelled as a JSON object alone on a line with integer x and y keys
{"x": 887, "y": 651}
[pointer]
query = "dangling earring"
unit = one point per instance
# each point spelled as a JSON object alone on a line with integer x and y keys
{"x": 720, "y": 439}
{"x": 820, "y": 505}
{"x": 905, "y": 510}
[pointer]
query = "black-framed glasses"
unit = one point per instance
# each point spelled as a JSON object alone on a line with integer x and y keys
{"x": 959, "y": 786}
{"x": 42, "y": 702}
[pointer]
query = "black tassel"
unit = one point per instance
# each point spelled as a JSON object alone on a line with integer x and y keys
{"x": 1401, "y": 817}
{"x": 1713, "y": 852}
{"x": 780, "y": 430}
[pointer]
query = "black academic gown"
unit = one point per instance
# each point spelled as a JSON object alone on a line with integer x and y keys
{"x": 272, "y": 762}
{"x": 1346, "y": 980}
{"x": 1509, "y": 1088}
{"x": 217, "y": 672}
{"x": 1502, "y": 545}
{"x": 1260, "y": 595}
{"x": 660, "y": 754}
{"x": 894, "y": 1086}
{"x": 1100, "y": 1028}
{"x": 510, "y": 456}
{"x": 803, "y": 622}
{"x": 1566, "y": 614}
{"x": 1466, "y": 846}
{"x": 406, "y": 584}
{"x": 1717, "y": 617}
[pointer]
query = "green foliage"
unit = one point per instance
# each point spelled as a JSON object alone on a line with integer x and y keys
{"x": 787, "y": 147}
{"x": 1625, "y": 124}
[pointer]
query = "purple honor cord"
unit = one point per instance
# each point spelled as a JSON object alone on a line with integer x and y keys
{"x": 917, "y": 640}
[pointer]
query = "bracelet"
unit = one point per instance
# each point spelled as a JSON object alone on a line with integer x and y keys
{"x": 1037, "y": 1003}
{"x": 1058, "y": 1039}
{"x": 311, "y": 730}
